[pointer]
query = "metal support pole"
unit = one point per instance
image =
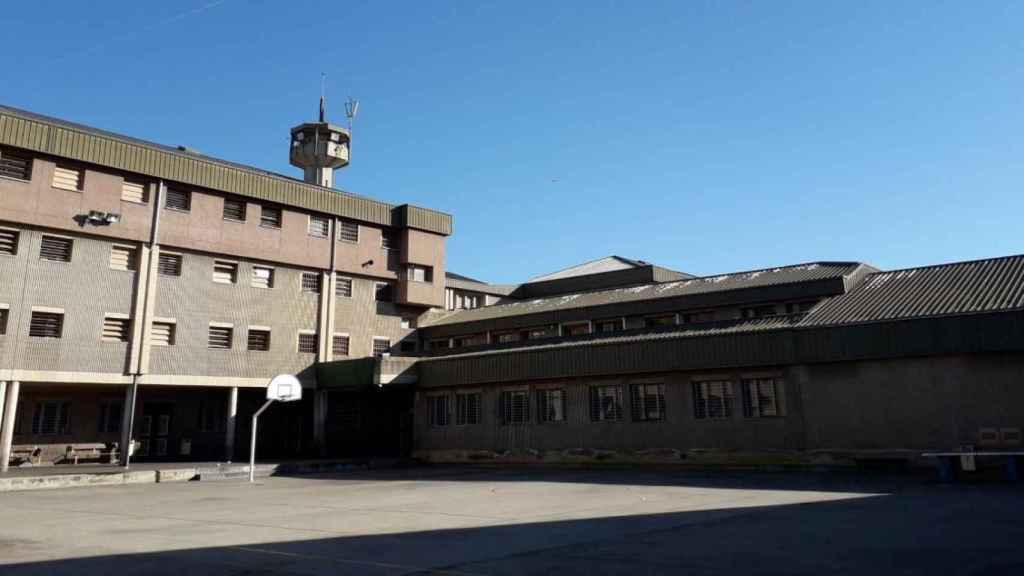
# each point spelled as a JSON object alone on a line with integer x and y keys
{"x": 129, "y": 421}
{"x": 252, "y": 441}
{"x": 7, "y": 426}
{"x": 3, "y": 395}
{"x": 232, "y": 419}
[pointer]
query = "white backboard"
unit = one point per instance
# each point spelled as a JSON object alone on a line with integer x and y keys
{"x": 284, "y": 388}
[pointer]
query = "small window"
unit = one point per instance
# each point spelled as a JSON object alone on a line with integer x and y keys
{"x": 116, "y": 329}
{"x": 467, "y": 408}
{"x": 163, "y": 334}
{"x": 407, "y": 346}
{"x": 576, "y": 329}
{"x": 437, "y": 406}
{"x": 262, "y": 277}
{"x": 420, "y": 273}
{"x": 46, "y": 324}
{"x": 270, "y": 217}
{"x": 605, "y": 403}
{"x": 339, "y": 345}
{"x": 551, "y": 405}
{"x": 381, "y": 346}
{"x": 9, "y": 241}
{"x": 760, "y": 398}
{"x": 605, "y": 326}
{"x": 178, "y": 199}
{"x": 220, "y": 337}
{"x": 67, "y": 178}
{"x": 348, "y": 231}
{"x": 17, "y": 165}
{"x": 134, "y": 191}
{"x": 307, "y": 342}
{"x": 212, "y": 416}
{"x": 383, "y": 292}
{"x": 225, "y": 272}
{"x": 258, "y": 340}
{"x": 538, "y": 333}
{"x": 319, "y": 226}
{"x": 387, "y": 239}
{"x": 123, "y": 258}
{"x": 515, "y": 407}
{"x": 506, "y": 337}
{"x": 698, "y": 317}
{"x": 311, "y": 282}
{"x": 764, "y": 311}
{"x": 712, "y": 400}
{"x": 234, "y": 210}
{"x": 4, "y": 314}
{"x": 343, "y": 287}
{"x": 110, "y": 417}
{"x": 51, "y": 418}
{"x": 169, "y": 264}
{"x": 440, "y": 344}
{"x": 800, "y": 307}
{"x": 55, "y": 249}
{"x": 661, "y": 320}
{"x": 647, "y": 402}
{"x": 408, "y": 323}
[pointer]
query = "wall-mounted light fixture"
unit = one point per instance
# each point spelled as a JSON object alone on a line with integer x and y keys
{"x": 97, "y": 218}
{"x": 367, "y": 263}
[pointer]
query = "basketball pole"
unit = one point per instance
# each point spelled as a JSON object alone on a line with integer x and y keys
{"x": 252, "y": 440}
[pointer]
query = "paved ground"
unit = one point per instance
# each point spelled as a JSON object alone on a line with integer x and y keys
{"x": 465, "y": 521}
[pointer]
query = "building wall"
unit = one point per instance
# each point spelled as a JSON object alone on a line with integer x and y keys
{"x": 362, "y": 318}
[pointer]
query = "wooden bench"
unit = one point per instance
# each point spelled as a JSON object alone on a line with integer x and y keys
{"x": 947, "y": 462}
{"x": 90, "y": 451}
{"x": 26, "y": 453}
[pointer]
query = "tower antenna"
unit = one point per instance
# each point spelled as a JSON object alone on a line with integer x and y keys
{"x": 323, "y": 97}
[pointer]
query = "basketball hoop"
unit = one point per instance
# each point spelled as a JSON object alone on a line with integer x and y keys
{"x": 282, "y": 388}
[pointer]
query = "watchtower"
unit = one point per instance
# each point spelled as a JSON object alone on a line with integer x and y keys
{"x": 319, "y": 148}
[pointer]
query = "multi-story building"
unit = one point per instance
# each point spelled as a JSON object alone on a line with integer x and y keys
{"x": 149, "y": 293}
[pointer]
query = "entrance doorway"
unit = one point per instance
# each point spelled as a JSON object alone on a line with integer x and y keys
{"x": 155, "y": 430}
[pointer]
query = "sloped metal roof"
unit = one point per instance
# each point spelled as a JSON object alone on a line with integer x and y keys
{"x": 606, "y": 264}
{"x": 691, "y": 286}
{"x": 991, "y": 285}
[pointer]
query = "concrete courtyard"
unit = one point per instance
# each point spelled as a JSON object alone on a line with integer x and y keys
{"x": 472, "y": 521}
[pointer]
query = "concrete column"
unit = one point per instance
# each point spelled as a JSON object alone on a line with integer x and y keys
{"x": 229, "y": 425}
{"x": 320, "y": 421}
{"x": 127, "y": 422}
{"x": 7, "y": 427}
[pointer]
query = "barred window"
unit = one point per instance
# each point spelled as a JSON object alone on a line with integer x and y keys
{"x": 4, "y": 312}
{"x": 515, "y": 407}
{"x": 608, "y": 325}
{"x": 68, "y": 178}
{"x": 311, "y": 282}
{"x": 760, "y": 398}
{"x": 576, "y": 329}
{"x": 661, "y": 320}
{"x": 9, "y": 241}
{"x": 551, "y": 405}
{"x": 698, "y": 317}
{"x": 169, "y": 264}
{"x": 178, "y": 199}
{"x": 52, "y": 417}
{"x": 55, "y": 249}
{"x": 225, "y": 272}
{"x": 467, "y": 408}
{"x": 46, "y": 325}
{"x": 605, "y": 403}
{"x": 134, "y": 191}
{"x": 270, "y": 216}
{"x": 343, "y": 287}
{"x": 163, "y": 333}
{"x": 110, "y": 417}
{"x": 258, "y": 340}
{"x": 17, "y": 165}
{"x": 387, "y": 239}
{"x": 220, "y": 337}
{"x": 319, "y": 226}
{"x": 712, "y": 399}
{"x": 234, "y": 210}
{"x": 647, "y": 402}
{"x": 339, "y": 345}
{"x": 437, "y": 406}
{"x": 123, "y": 258}
{"x": 307, "y": 342}
{"x": 381, "y": 346}
{"x": 348, "y": 231}
{"x": 116, "y": 329}
{"x": 262, "y": 277}
{"x": 384, "y": 292}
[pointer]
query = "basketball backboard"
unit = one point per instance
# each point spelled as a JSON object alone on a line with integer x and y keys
{"x": 284, "y": 388}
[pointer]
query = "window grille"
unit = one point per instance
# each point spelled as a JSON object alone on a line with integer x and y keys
{"x": 605, "y": 403}
{"x": 647, "y": 402}
{"x": 55, "y": 249}
{"x": 467, "y": 408}
{"x": 712, "y": 399}
{"x": 551, "y": 405}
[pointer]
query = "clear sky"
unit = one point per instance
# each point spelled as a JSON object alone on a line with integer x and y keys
{"x": 704, "y": 136}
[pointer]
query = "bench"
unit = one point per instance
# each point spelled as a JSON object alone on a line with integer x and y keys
{"x": 946, "y": 462}
{"x": 91, "y": 451}
{"x": 26, "y": 453}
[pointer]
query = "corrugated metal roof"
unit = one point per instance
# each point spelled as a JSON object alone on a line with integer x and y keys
{"x": 720, "y": 283}
{"x": 606, "y": 264}
{"x": 991, "y": 285}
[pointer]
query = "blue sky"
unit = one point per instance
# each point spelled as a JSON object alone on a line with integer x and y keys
{"x": 704, "y": 136}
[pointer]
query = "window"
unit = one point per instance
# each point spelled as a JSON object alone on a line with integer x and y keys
{"x": 538, "y": 333}
{"x": 67, "y": 178}
{"x": 759, "y": 311}
{"x": 576, "y": 329}
{"x": 311, "y": 282}
{"x": 116, "y": 328}
{"x": 387, "y": 240}
{"x": 162, "y": 333}
{"x": 212, "y": 416}
{"x": 437, "y": 406}
{"x": 110, "y": 417}
{"x": 343, "y": 287}
{"x": 406, "y": 346}
{"x": 381, "y": 346}
{"x": 647, "y": 402}
{"x": 220, "y": 337}
{"x": 225, "y": 272}
{"x": 319, "y": 226}
{"x": 800, "y": 307}
{"x": 262, "y": 277}
{"x": 4, "y": 313}
{"x": 760, "y": 398}
{"x": 339, "y": 345}
{"x": 551, "y": 405}
{"x": 608, "y": 325}
{"x": 234, "y": 210}
{"x": 348, "y": 231}
{"x": 605, "y": 403}
{"x": 134, "y": 191}
{"x": 470, "y": 340}
{"x": 258, "y": 339}
{"x": 178, "y": 199}
{"x": 420, "y": 273}
{"x": 168, "y": 264}
{"x": 52, "y": 417}
{"x": 467, "y": 408}
{"x": 506, "y": 337}
{"x": 46, "y": 324}
{"x": 17, "y": 165}
{"x": 696, "y": 317}
{"x": 55, "y": 249}
{"x": 270, "y": 216}
{"x": 307, "y": 342}
{"x": 383, "y": 292}
{"x": 123, "y": 258}
{"x": 712, "y": 399}
{"x": 9, "y": 242}
{"x": 407, "y": 323}
{"x": 515, "y": 407}
{"x": 440, "y": 344}
{"x": 662, "y": 320}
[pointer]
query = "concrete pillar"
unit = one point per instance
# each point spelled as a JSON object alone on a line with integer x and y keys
{"x": 229, "y": 425}
{"x": 127, "y": 422}
{"x": 7, "y": 426}
{"x": 320, "y": 421}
